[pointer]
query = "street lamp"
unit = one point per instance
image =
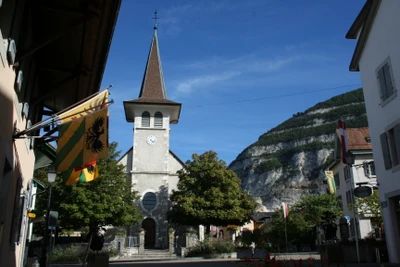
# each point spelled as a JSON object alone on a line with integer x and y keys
{"x": 350, "y": 160}
{"x": 51, "y": 178}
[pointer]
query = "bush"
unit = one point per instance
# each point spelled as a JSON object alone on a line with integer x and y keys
{"x": 72, "y": 254}
{"x": 76, "y": 254}
{"x": 211, "y": 246}
{"x": 245, "y": 239}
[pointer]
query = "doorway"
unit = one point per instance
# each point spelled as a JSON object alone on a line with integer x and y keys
{"x": 149, "y": 225}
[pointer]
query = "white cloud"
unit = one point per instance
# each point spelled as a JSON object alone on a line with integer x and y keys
{"x": 201, "y": 81}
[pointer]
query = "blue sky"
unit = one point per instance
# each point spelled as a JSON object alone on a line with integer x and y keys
{"x": 231, "y": 63}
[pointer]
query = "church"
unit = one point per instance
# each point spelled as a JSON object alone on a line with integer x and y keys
{"x": 150, "y": 165}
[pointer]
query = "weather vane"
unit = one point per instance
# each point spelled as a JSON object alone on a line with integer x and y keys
{"x": 155, "y": 20}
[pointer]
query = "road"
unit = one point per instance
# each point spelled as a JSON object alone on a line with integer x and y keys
{"x": 180, "y": 263}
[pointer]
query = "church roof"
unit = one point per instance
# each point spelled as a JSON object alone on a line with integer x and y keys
{"x": 153, "y": 87}
{"x": 152, "y": 91}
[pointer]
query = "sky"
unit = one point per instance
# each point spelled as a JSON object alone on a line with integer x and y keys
{"x": 239, "y": 68}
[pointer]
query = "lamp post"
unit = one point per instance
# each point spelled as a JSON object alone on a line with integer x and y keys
{"x": 51, "y": 178}
{"x": 350, "y": 160}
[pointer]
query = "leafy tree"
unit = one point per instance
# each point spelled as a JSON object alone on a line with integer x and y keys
{"x": 310, "y": 212}
{"x": 299, "y": 231}
{"x": 320, "y": 210}
{"x": 370, "y": 205}
{"x": 108, "y": 200}
{"x": 209, "y": 193}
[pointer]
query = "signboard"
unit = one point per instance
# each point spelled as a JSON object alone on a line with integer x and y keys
{"x": 362, "y": 191}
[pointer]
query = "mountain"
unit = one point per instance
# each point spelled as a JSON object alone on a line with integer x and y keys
{"x": 288, "y": 161}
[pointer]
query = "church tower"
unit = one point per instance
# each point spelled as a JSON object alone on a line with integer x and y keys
{"x": 150, "y": 164}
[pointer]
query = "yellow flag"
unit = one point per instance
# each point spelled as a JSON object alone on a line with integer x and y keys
{"x": 92, "y": 105}
{"x": 82, "y": 141}
{"x": 331, "y": 182}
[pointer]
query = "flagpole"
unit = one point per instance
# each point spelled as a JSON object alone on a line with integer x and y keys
{"x": 45, "y": 122}
{"x": 286, "y": 234}
{"x": 54, "y": 120}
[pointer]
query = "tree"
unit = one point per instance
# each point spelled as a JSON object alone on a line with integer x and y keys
{"x": 209, "y": 193}
{"x": 108, "y": 200}
{"x": 320, "y": 210}
{"x": 370, "y": 205}
{"x": 298, "y": 230}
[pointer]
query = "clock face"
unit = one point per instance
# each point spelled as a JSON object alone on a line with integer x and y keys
{"x": 151, "y": 140}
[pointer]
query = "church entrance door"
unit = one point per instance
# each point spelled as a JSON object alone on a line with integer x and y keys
{"x": 149, "y": 225}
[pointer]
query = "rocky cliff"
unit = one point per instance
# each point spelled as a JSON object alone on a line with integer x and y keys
{"x": 288, "y": 161}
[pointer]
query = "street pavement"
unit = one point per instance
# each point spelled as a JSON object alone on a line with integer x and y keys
{"x": 218, "y": 263}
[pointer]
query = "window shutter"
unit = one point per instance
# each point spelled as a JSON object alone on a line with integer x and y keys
{"x": 145, "y": 119}
{"x": 396, "y": 131}
{"x": 382, "y": 84}
{"x": 17, "y": 213}
{"x": 337, "y": 180}
{"x": 347, "y": 172}
{"x": 158, "y": 120}
{"x": 388, "y": 79}
{"x": 385, "y": 151}
{"x": 372, "y": 168}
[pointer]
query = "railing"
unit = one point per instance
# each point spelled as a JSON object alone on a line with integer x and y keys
{"x": 132, "y": 242}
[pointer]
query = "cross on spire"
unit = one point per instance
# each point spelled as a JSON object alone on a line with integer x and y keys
{"x": 155, "y": 20}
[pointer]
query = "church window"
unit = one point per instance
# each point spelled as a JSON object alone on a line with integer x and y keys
{"x": 145, "y": 119}
{"x": 158, "y": 120}
{"x": 149, "y": 201}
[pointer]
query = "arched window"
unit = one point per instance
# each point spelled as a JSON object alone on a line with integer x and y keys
{"x": 149, "y": 201}
{"x": 158, "y": 118}
{"x": 146, "y": 119}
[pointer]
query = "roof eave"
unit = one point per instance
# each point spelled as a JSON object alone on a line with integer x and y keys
{"x": 128, "y": 105}
{"x": 359, "y": 21}
{"x": 364, "y": 19}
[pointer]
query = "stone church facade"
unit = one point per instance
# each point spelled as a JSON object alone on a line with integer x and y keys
{"x": 150, "y": 165}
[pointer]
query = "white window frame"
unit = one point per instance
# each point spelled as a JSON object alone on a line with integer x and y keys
{"x": 385, "y": 101}
{"x": 368, "y": 170}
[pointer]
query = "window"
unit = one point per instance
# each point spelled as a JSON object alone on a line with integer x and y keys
{"x": 337, "y": 180}
{"x": 19, "y": 208}
{"x": 349, "y": 198}
{"x": 369, "y": 168}
{"x": 385, "y": 80}
{"x": 145, "y": 119}
{"x": 158, "y": 120}
{"x": 390, "y": 142}
{"x": 149, "y": 201}
{"x": 347, "y": 173}
{"x": 340, "y": 202}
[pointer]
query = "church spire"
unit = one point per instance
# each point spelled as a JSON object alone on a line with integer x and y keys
{"x": 152, "y": 92}
{"x": 153, "y": 86}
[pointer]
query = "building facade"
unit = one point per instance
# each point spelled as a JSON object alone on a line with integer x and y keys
{"x": 348, "y": 177}
{"x": 377, "y": 58}
{"x": 51, "y": 56}
{"x": 150, "y": 165}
